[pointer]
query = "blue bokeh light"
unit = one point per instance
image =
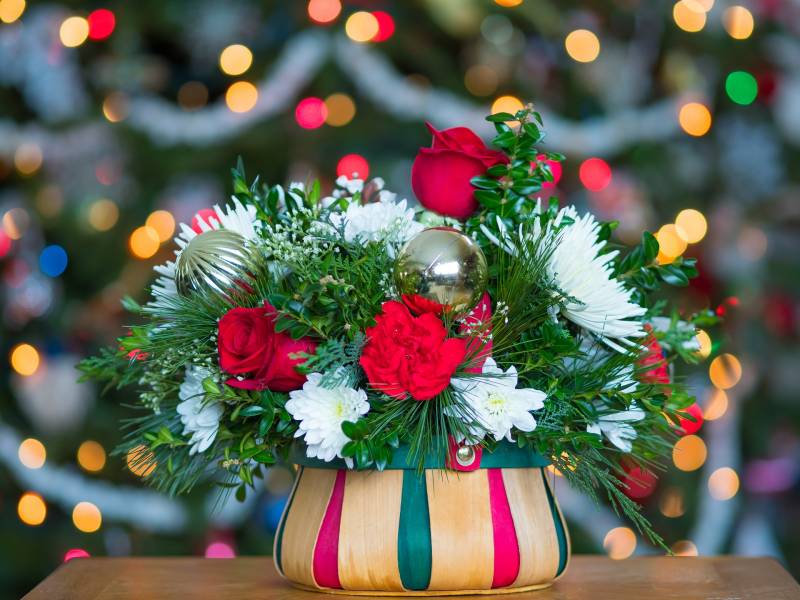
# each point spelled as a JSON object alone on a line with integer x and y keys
{"x": 53, "y": 260}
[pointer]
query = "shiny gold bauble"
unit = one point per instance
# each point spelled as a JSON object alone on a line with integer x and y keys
{"x": 218, "y": 262}
{"x": 443, "y": 265}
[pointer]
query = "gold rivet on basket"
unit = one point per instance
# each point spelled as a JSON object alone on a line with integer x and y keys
{"x": 465, "y": 456}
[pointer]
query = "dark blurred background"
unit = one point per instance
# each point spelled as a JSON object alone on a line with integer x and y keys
{"x": 119, "y": 120}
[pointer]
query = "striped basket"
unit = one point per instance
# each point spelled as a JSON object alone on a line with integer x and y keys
{"x": 487, "y": 523}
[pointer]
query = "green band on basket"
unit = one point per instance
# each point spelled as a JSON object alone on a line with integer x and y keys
{"x": 505, "y": 456}
{"x": 560, "y": 533}
{"x": 414, "y": 552}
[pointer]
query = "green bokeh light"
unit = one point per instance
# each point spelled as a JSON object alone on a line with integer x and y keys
{"x": 741, "y": 87}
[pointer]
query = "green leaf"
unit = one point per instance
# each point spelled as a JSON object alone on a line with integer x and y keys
{"x": 350, "y": 429}
{"x": 488, "y": 198}
{"x": 251, "y": 411}
{"x": 673, "y": 275}
{"x": 241, "y": 493}
{"x": 486, "y": 183}
{"x": 650, "y": 245}
{"x": 500, "y": 117}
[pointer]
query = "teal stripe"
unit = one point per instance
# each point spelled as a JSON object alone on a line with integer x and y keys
{"x": 282, "y": 525}
{"x": 561, "y": 533}
{"x": 505, "y": 456}
{"x": 414, "y": 534}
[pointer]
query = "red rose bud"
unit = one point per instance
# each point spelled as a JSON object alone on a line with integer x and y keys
{"x": 412, "y": 355}
{"x": 687, "y": 426}
{"x": 249, "y": 344}
{"x": 654, "y": 359}
{"x": 478, "y": 323}
{"x": 441, "y": 174}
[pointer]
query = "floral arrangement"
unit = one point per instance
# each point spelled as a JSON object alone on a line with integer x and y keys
{"x": 353, "y": 324}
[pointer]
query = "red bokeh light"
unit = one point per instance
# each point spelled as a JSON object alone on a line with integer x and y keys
{"x": 353, "y": 166}
{"x": 203, "y": 215}
{"x": 595, "y": 174}
{"x": 688, "y": 427}
{"x": 101, "y": 23}
{"x": 311, "y": 113}
{"x": 75, "y": 553}
{"x": 5, "y": 243}
{"x": 555, "y": 169}
{"x": 385, "y": 26}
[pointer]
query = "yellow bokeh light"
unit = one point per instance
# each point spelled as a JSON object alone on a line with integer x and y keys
{"x": 91, "y": 456}
{"x": 103, "y": 214}
{"x": 620, "y": 543}
{"x": 361, "y": 26}
{"x": 73, "y": 31}
{"x": 670, "y": 242}
{"x": 723, "y": 484}
{"x": 241, "y": 96}
{"x": 704, "y": 343}
{"x": 86, "y": 517}
{"x": 700, "y": 5}
{"x": 31, "y": 509}
{"x": 144, "y": 242}
{"x": 692, "y": 225}
{"x": 235, "y": 59}
{"x": 582, "y": 45}
{"x": 28, "y": 158}
{"x": 32, "y": 453}
{"x": 141, "y": 461}
{"x": 689, "y": 453}
{"x": 508, "y": 104}
{"x": 24, "y": 359}
{"x": 716, "y": 405}
{"x": 324, "y": 11}
{"x": 738, "y": 22}
{"x": 687, "y": 17}
{"x": 508, "y": 3}
{"x": 15, "y": 222}
{"x": 163, "y": 223}
{"x": 725, "y": 371}
{"x": 341, "y": 109}
{"x": 684, "y": 548}
{"x": 115, "y": 107}
{"x": 11, "y": 10}
{"x": 671, "y": 503}
{"x": 695, "y": 118}
{"x": 480, "y": 80}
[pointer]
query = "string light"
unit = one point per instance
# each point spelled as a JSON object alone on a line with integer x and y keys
{"x": 620, "y": 543}
{"x": 53, "y": 260}
{"x": 723, "y": 484}
{"x": 741, "y": 87}
{"x": 241, "y": 96}
{"x": 353, "y": 166}
{"x": 163, "y": 223}
{"x": 28, "y": 158}
{"x": 716, "y": 405}
{"x": 115, "y": 107}
{"x": 361, "y": 26}
{"x": 31, "y": 509}
{"x": 341, "y": 110}
{"x": 91, "y": 456}
{"x": 103, "y": 214}
{"x": 101, "y": 24}
{"x": 24, "y": 359}
{"x": 686, "y": 16}
{"x": 86, "y": 517}
{"x": 311, "y": 113}
{"x": 725, "y": 371}
{"x": 738, "y": 22}
{"x": 704, "y": 343}
{"x": 144, "y": 242}
{"x": 32, "y": 453}
{"x": 582, "y": 45}
{"x": 595, "y": 174}
{"x": 691, "y": 225}
{"x": 141, "y": 461}
{"x": 684, "y": 548}
{"x": 235, "y": 59}
{"x": 73, "y": 31}
{"x": 689, "y": 453}
{"x": 11, "y": 10}
{"x": 695, "y": 119}
{"x": 324, "y": 11}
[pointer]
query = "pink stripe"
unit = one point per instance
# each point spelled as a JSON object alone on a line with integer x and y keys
{"x": 326, "y": 550}
{"x": 506, "y": 548}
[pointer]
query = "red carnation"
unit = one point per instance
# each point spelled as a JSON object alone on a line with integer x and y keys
{"x": 441, "y": 174}
{"x": 652, "y": 362}
{"x": 478, "y": 323}
{"x": 420, "y": 305}
{"x": 249, "y": 345}
{"x": 412, "y": 355}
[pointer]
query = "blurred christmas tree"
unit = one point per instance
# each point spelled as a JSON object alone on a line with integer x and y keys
{"x": 120, "y": 121}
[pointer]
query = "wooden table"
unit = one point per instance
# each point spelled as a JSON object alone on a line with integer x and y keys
{"x": 588, "y": 578}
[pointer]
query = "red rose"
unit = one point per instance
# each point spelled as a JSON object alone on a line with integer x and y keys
{"x": 653, "y": 360}
{"x": 405, "y": 354}
{"x": 479, "y": 323}
{"x": 249, "y": 344}
{"x": 441, "y": 174}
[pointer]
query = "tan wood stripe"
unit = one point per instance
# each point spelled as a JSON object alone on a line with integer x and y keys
{"x": 303, "y": 523}
{"x": 462, "y": 542}
{"x": 551, "y": 485}
{"x": 533, "y": 521}
{"x": 368, "y": 533}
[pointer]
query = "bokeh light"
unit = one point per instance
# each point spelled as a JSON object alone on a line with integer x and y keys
{"x": 115, "y": 107}
{"x": 738, "y": 22}
{"x": 695, "y": 118}
{"x": 741, "y": 87}
{"x": 103, "y": 214}
{"x": 311, "y": 113}
{"x": 723, "y": 484}
{"x": 31, "y": 509}
{"x": 144, "y": 242}
{"x": 671, "y": 503}
{"x": 691, "y": 225}
{"x": 141, "y": 461}
{"x": 341, "y": 110}
{"x": 671, "y": 243}
{"x": 73, "y": 31}
{"x": 86, "y": 517}
{"x": 700, "y": 5}
{"x": 620, "y": 543}
{"x": 752, "y": 242}
{"x": 385, "y": 26}
{"x": 235, "y": 59}
{"x": 192, "y": 95}
{"x": 5, "y": 243}
{"x": 91, "y": 456}
{"x": 24, "y": 359}
{"x": 725, "y": 371}
{"x": 353, "y": 166}
{"x": 163, "y": 223}
{"x": 219, "y": 550}
{"x": 688, "y": 17}
{"x": 508, "y": 104}
{"x": 508, "y": 3}
{"x": 11, "y": 10}
{"x": 32, "y": 453}
{"x": 684, "y": 548}
{"x": 53, "y": 260}
{"x": 480, "y": 80}
{"x": 28, "y": 158}
{"x": 689, "y": 453}
{"x": 582, "y": 45}
{"x": 716, "y": 404}
{"x": 241, "y": 96}
{"x": 15, "y": 222}
{"x": 704, "y": 344}
{"x": 595, "y": 174}
{"x": 73, "y": 553}
{"x": 361, "y": 26}
{"x": 101, "y": 23}
{"x": 693, "y": 421}
{"x": 324, "y": 11}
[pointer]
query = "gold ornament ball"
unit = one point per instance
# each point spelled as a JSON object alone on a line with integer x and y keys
{"x": 218, "y": 262}
{"x": 465, "y": 455}
{"x": 443, "y": 265}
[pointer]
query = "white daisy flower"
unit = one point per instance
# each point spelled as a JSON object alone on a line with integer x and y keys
{"x": 199, "y": 417}
{"x": 382, "y": 221}
{"x": 321, "y": 412}
{"x": 617, "y": 427}
{"x": 496, "y": 404}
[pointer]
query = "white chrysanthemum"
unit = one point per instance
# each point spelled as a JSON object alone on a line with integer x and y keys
{"x": 237, "y": 218}
{"x": 321, "y": 412}
{"x": 617, "y": 427}
{"x": 199, "y": 417}
{"x": 496, "y": 404}
{"x": 382, "y": 221}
